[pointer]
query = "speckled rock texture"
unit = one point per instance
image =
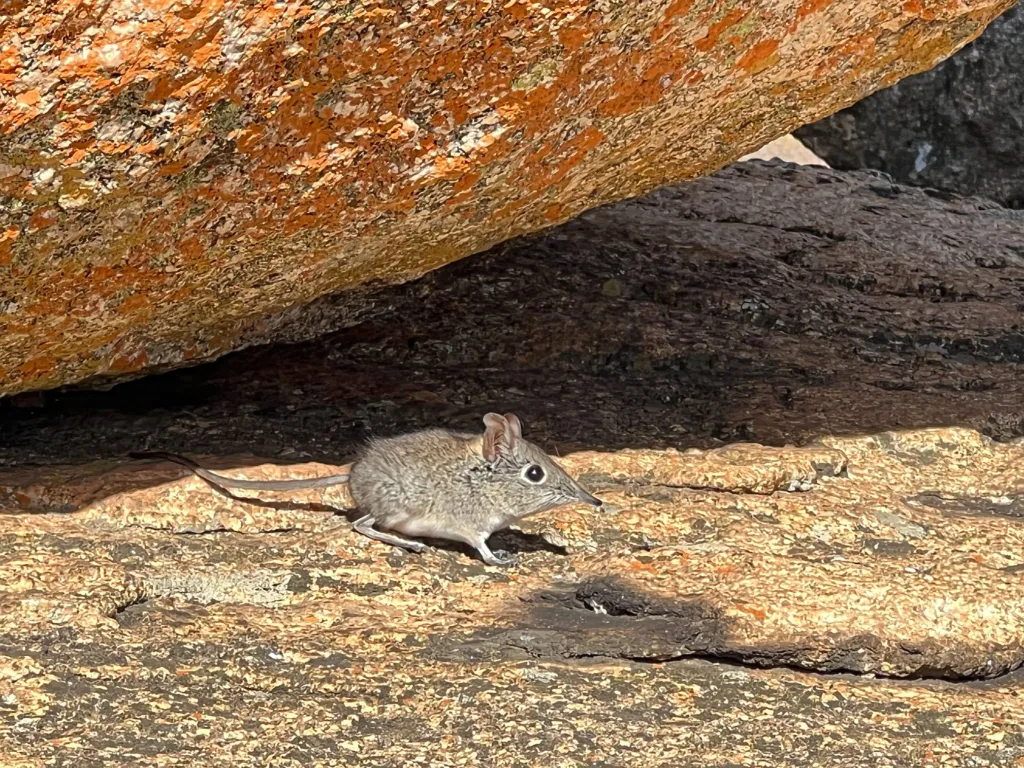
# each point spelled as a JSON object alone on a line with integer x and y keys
{"x": 674, "y": 622}
{"x": 177, "y": 178}
{"x": 799, "y": 395}
{"x": 957, "y": 127}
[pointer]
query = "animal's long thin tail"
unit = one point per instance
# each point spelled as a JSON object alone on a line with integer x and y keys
{"x": 255, "y": 485}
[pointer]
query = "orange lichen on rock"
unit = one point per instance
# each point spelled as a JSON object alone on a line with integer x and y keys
{"x": 272, "y": 153}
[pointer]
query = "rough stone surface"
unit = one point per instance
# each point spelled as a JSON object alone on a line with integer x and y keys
{"x": 176, "y": 179}
{"x": 852, "y": 599}
{"x": 957, "y": 127}
{"x": 121, "y": 638}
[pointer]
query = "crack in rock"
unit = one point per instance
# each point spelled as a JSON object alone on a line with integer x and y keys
{"x": 604, "y": 618}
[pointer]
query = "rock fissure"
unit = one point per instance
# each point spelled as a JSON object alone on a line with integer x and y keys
{"x": 799, "y": 229}
{"x": 558, "y": 645}
{"x": 208, "y": 531}
{"x": 752, "y": 659}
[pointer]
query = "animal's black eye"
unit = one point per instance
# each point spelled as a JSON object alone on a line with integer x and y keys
{"x": 535, "y": 473}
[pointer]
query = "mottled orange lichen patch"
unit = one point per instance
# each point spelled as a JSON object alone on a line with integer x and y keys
{"x": 694, "y": 76}
{"x": 810, "y": 7}
{"x": 29, "y": 98}
{"x": 854, "y": 51}
{"x": 710, "y": 40}
{"x": 758, "y": 613}
{"x": 572, "y": 152}
{"x": 129, "y": 362}
{"x": 36, "y": 367}
{"x": 41, "y": 218}
{"x": 466, "y": 181}
{"x": 646, "y": 90}
{"x": 135, "y": 301}
{"x": 760, "y": 56}
{"x": 572, "y": 37}
{"x": 918, "y": 8}
{"x": 674, "y": 10}
{"x": 554, "y": 212}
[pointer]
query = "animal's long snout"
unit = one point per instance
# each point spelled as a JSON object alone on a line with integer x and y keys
{"x": 587, "y": 497}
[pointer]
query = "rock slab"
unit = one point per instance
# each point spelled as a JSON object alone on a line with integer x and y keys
{"x": 766, "y": 303}
{"x": 123, "y": 635}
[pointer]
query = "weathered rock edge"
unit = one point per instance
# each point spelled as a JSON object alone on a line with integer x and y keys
{"x": 176, "y": 181}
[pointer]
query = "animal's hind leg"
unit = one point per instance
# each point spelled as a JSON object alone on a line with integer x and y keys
{"x": 364, "y": 525}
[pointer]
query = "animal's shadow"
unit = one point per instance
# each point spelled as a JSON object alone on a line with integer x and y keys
{"x": 509, "y": 540}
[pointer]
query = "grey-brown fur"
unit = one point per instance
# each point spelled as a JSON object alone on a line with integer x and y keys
{"x": 446, "y": 485}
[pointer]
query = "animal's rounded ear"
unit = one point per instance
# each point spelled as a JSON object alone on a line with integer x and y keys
{"x": 515, "y": 424}
{"x": 498, "y": 437}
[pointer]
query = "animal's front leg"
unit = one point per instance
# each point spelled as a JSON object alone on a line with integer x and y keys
{"x": 490, "y": 557}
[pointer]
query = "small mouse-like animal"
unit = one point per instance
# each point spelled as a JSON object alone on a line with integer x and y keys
{"x": 441, "y": 484}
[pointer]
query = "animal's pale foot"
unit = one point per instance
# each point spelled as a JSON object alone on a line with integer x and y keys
{"x": 500, "y": 558}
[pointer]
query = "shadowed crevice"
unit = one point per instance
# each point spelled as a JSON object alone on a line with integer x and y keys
{"x": 607, "y": 618}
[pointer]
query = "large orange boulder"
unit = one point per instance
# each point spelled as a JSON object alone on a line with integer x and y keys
{"x": 176, "y": 176}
